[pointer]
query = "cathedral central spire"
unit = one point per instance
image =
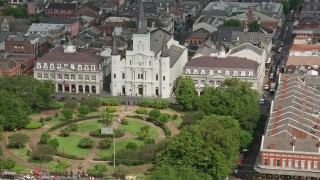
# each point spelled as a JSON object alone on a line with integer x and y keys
{"x": 165, "y": 51}
{"x": 115, "y": 50}
{"x": 142, "y": 23}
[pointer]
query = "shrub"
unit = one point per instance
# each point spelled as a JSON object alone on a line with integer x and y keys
{"x": 135, "y": 116}
{"x": 175, "y": 117}
{"x": 48, "y": 118}
{"x": 43, "y": 153}
{"x": 41, "y": 120}
{"x": 67, "y": 113}
{"x": 111, "y": 109}
{"x": 18, "y": 140}
{"x": 142, "y": 111}
{"x": 131, "y": 145}
{"x": 154, "y": 103}
{"x": 163, "y": 118}
{"x": 55, "y": 105}
{"x": 154, "y": 113}
{"x": 86, "y": 143}
{"x": 56, "y": 115}
{"x": 105, "y": 143}
{"x": 33, "y": 125}
{"x": 111, "y": 102}
{"x": 84, "y": 110}
{"x": 124, "y": 121}
{"x": 71, "y": 104}
{"x": 7, "y": 163}
{"x": 65, "y": 132}
{"x": 92, "y": 102}
{"x": 44, "y": 138}
{"x": 73, "y": 127}
{"x": 54, "y": 143}
{"x": 69, "y": 156}
{"x": 98, "y": 171}
{"x": 97, "y": 134}
{"x": 149, "y": 140}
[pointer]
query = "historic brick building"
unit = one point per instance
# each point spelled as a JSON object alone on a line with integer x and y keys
{"x": 26, "y": 45}
{"x": 61, "y": 10}
{"x": 16, "y": 64}
{"x": 290, "y": 146}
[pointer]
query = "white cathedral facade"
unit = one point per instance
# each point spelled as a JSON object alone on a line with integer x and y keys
{"x": 151, "y": 68}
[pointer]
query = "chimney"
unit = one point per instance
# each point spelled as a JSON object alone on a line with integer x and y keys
{"x": 168, "y": 10}
{"x": 250, "y": 14}
{"x": 293, "y": 143}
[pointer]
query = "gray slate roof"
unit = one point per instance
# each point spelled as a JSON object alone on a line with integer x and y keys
{"x": 247, "y": 46}
{"x": 156, "y": 39}
{"x": 58, "y": 20}
{"x": 175, "y": 52}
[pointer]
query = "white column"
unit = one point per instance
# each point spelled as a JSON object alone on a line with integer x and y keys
{"x": 77, "y": 88}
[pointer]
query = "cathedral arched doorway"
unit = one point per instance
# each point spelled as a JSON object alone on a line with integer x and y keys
{"x": 81, "y": 88}
{"x": 87, "y": 89}
{"x": 140, "y": 90}
{"x": 60, "y": 88}
{"x": 157, "y": 91}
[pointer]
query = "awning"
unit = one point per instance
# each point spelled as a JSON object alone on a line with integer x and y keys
{"x": 36, "y": 172}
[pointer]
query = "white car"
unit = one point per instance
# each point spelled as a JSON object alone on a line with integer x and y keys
{"x": 271, "y": 76}
{"x": 266, "y": 87}
{"x": 280, "y": 49}
{"x": 261, "y": 101}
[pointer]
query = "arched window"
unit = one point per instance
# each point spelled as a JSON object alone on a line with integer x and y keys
{"x": 46, "y": 76}
{"x": 80, "y": 77}
{"x": 93, "y": 77}
{"x": 73, "y": 77}
{"x": 86, "y": 77}
{"x": 123, "y": 75}
{"x": 39, "y": 75}
{"x": 52, "y": 76}
{"x": 66, "y": 76}
{"x": 59, "y": 76}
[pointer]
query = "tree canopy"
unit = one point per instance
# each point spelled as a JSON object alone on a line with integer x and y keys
{"x": 18, "y": 11}
{"x": 285, "y": 6}
{"x": 232, "y": 23}
{"x": 254, "y": 26}
{"x": 186, "y": 92}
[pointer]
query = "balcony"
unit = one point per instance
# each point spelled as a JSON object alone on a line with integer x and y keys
{"x": 286, "y": 170}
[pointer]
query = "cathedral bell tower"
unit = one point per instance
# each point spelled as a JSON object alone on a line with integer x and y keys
{"x": 165, "y": 70}
{"x": 141, "y": 38}
{"x": 115, "y": 69}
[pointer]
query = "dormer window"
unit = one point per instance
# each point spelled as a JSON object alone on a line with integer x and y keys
{"x": 38, "y": 65}
{"x": 211, "y": 72}
{"x": 238, "y": 39}
{"x": 203, "y": 72}
{"x": 235, "y": 73}
{"x": 250, "y": 73}
{"x": 79, "y": 67}
{"x": 308, "y": 7}
{"x": 195, "y": 71}
{"x": 65, "y": 65}
{"x": 58, "y": 66}
{"x": 227, "y": 73}
{"x": 219, "y": 71}
{"x": 51, "y": 66}
{"x": 188, "y": 71}
{"x": 315, "y": 8}
{"x": 93, "y": 67}
{"x": 86, "y": 67}
{"x": 72, "y": 66}
{"x": 243, "y": 73}
{"x": 251, "y": 38}
{"x": 45, "y": 65}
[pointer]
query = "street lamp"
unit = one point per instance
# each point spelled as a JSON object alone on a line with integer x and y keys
{"x": 114, "y": 147}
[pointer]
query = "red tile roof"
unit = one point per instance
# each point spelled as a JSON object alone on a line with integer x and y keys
{"x": 305, "y": 47}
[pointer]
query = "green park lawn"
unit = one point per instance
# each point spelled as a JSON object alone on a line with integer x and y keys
{"x": 177, "y": 122}
{"x": 21, "y": 169}
{"x": 69, "y": 145}
{"x": 88, "y": 126}
{"x": 134, "y": 126}
{"x": 119, "y": 145}
{"x": 21, "y": 153}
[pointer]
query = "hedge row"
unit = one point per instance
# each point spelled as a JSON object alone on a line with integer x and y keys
{"x": 33, "y": 125}
{"x": 102, "y": 159}
{"x": 111, "y": 102}
{"x": 66, "y": 122}
{"x": 69, "y": 156}
{"x": 154, "y": 103}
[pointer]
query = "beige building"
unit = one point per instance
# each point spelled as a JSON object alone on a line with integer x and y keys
{"x": 71, "y": 71}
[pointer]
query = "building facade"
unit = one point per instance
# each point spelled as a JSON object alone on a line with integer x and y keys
{"x": 26, "y": 45}
{"x": 153, "y": 65}
{"x": 71, "y": 71}
{"x": 60, "y": 10}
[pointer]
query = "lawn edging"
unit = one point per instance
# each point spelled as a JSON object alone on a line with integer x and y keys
{"x": 68, "y": 156}
{"x": 71, "y": 121}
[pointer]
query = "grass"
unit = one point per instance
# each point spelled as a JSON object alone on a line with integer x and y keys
{"x": 134, "y": 126}
{"x": 177, "y": 122}
{"x": 50, "y": 164}
{"x": 119, "y": 145}
{"x": 88, "y": 126}
{"x": 21, "y": 153}
{"x": 21, "y": 169}
{"x": 69, "y": 145}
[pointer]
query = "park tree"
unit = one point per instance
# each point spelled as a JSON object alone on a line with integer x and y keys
{"x": 120, "y": 172}
{"x": 233, "y": 98}
{"x": 232, "y": 23}
{"x": 144, "y": 132}
{"x": 105, "y": 143}
{"x": 285, "y": 6}
{"x": 65, "y": 132}
{"x": 84, "y": 110}
{"x": 92, "y": 102}
{"x": 294, "y": 3}
{"x": 44, "y": 138}
{"x": 168, "y": 172}
{"x": 70, "y": 104}
{"x": 98, "y": 171}
{"x": 43, "y": 152}
{"x": 73, "y": 126}
{"x": 14, "y": 111}
{"x": 191, "y": 118}
{"x": 54, "y": 143}
{"x": 67, "y": 114}
{"x": 36, "y": 94}
{"x": 86, "y": 143}
{"x": 60, "y": 168}
{"x": 254, "y": 26}
{"x": 7, "y": 163}
{"x": 18, "y": 11}
{"x": 186, "y": 92}
{"x": 131, "y": 145}
{"x": 106, "y": 117}
{"x": 17, "y": 140}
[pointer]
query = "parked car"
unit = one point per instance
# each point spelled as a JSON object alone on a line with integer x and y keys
{"x": 261, "y": 101}
{"x": 279, "y": 49}
{"x": 266, "y": 87}
{"x": 271, "y": 76}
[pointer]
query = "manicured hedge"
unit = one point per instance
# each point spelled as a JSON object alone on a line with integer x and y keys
{"x": 142, "y": 111}
{"x": 154, "y": 103}
{"x": 135, "y": 116}
{"x": 96, "y": 133}
{"x": 33, "y": 125}
{"x": 66, "y": 122}
{"x": 111, "y": 109}
{"x": 69, "y": 156}
{"x": 111, "y": 102}
{"x": 102, "y": 159}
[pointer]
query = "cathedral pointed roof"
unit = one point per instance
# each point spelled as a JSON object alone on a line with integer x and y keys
{"x": 142, "y": 23}
{"x": 164, "y": 51}
{"x": 115, "y": 50}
